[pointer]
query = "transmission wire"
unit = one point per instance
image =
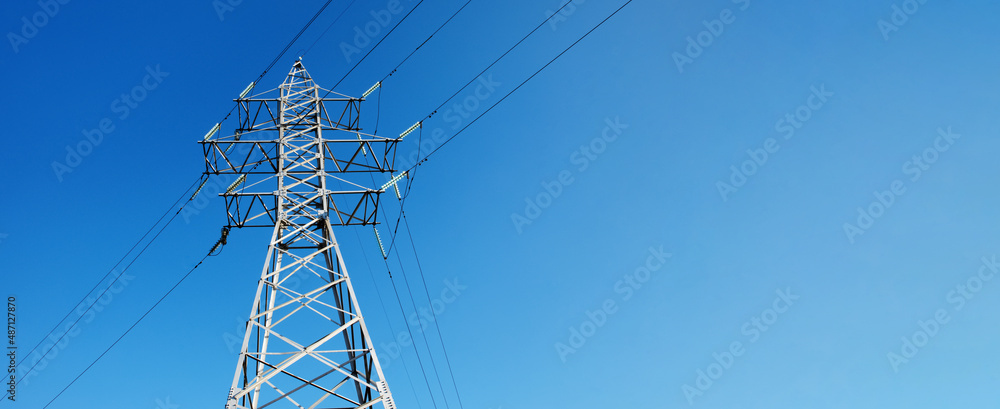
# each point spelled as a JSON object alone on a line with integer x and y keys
{"x": 408, "y": 330}
{"x": 128, "y": 330}
{"x": 109, "y": 272}
{"x": 409, "y": 183}
{"x": 329, "y": 27}
{"x": 425, "y": 41}
{"x": 436, "y": 326}
{"x": 402, "y": 311}
{"x": 385, "y": 310}
{"x": 374, "y": 47}
{"x": 520, "y": 85}
{"x": 498, "y": 59}
{"x": 110, "y": 285}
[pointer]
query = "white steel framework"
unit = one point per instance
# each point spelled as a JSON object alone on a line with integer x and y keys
{"x": 306, "y": 344}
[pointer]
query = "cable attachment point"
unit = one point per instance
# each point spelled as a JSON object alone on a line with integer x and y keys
{"x": 221, "y": 243}
{"x": 411, "y": 129}
{"x": 372, "y": 89}
{"x": 394, "y": 182}
{"x": 239, "y": 180}
{"x": 379, "y": 238}
{"x": 247, "y": 90}
{"x": 202, "y": 185}
{"x": 212, "y": 131}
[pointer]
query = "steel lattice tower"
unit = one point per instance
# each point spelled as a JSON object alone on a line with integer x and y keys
{"x": 300, "y": 161}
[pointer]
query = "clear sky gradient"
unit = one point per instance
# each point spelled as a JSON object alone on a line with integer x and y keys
{"x": 718, "y": 204}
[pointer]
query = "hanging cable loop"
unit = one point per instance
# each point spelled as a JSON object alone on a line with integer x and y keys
{"x": 221, "y": 243}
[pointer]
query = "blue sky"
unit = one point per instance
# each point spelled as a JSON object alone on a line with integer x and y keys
{"x": 623, "y": 152}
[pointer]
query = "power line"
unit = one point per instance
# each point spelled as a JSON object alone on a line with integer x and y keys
{"x": 385, "y": 312}
{"x": 438, "y": 327}
{"x": 443, "y": 103}
{"x": 519, "y": 86}
{"x": 110, "y": 285}
{"x": 425, "y": 41}
{"x": 399, "y": 301}
{"x": 379, "y": 111}
{"x": 497, "y": 60}
{"x": 392, "y": 246}
{"x": 329, "y": 27}
{"x": 473, "y": 80}
{"x": 374, "y": 47}
{"x": 282, "y": 53}
{"x": 410, "y": 332}
{"x": 410, "y": 182}
{"x": 413, "y": 302}
{"x": 393, "y": 71}
{"x": 130, "y": 328}
{"x": 109, "y": 272}
{"x": 294, "y": 39}
{"x": 423, "y": 333}
{"x": 402, "y": 311}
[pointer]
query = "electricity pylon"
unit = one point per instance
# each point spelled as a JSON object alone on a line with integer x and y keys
{"x": 301, "y": 162}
